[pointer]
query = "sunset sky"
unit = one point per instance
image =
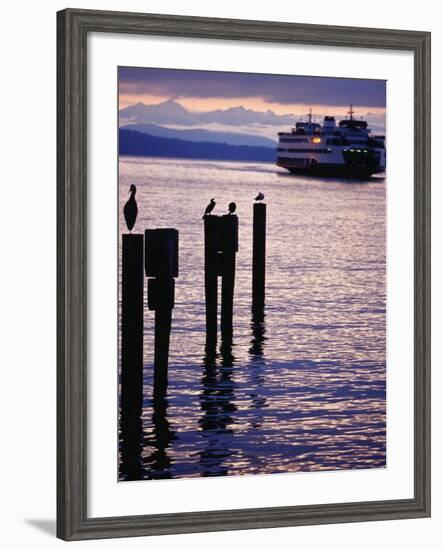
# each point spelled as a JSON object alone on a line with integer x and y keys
{"x": 288, "y": 98}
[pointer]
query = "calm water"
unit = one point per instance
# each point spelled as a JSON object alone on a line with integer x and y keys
{"x": 305, "y": 389}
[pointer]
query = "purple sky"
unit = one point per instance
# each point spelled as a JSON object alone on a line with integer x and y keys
{"x": 208, "y": 91}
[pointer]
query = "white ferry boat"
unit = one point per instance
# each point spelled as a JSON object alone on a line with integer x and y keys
{"x": 348, "y": 149}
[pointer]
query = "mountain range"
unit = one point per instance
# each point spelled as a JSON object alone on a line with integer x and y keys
{"x": 171, "y": 112}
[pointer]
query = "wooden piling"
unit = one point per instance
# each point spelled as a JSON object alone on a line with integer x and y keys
{"x": 163, "y": 323}
{"x": 161, "y": 293}
{"x": 132, "y": 324}
{"x": 161, "y": 264}
{"x": 229, "y": 247}
{"x": 259, "y": 256}
{"x": 131, "y": 347}
{"x": 211, "y": 244}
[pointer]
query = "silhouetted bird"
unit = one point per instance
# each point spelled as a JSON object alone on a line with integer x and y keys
{"x": 232, "y": 207}
{"x": 210, "y": 207}
{"x": 130, "y": 209}
{"x": 259, "y": 197}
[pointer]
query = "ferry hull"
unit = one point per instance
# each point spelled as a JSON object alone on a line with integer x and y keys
{"x": 332, "y": 170}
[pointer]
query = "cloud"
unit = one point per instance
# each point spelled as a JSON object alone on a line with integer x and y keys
{"x": 282, "y": 89}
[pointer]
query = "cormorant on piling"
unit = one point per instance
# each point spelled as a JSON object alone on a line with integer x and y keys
{"x": 209, "y": 208}
{"x": 232, "y": 207}
{"x": 259, "y": 197}
{"x": 130, "y": 209}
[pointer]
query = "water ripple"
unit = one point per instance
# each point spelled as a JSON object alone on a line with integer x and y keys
{"x": 303, "y": 386}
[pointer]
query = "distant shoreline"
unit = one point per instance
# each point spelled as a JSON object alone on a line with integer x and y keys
{"x": 132, "y": 143}
{"x": 280, "y": 170}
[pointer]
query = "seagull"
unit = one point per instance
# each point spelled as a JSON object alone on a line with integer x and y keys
{"x": 259, "y": 197}
{"x": 209, "y": 208}
{"x": 232, "y": 207}
{"x": 130, "y": 209}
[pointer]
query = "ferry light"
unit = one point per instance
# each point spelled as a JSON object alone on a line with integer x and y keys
{"x": 316, "y": 140}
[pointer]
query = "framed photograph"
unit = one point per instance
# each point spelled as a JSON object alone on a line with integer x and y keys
{"x": 243, "y": 274}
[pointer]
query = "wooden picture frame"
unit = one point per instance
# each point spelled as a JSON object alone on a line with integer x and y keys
{"x": 73, "y": 27}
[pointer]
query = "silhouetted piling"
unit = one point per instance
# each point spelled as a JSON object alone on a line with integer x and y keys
{"x": 132, "y": 323}
{"x": 131, "y": 346}
{"x": 229, "y": 248}
{"x": 161, "y": 262}
{"x": 211, "y": 267}
{"x": 259, "y": 256}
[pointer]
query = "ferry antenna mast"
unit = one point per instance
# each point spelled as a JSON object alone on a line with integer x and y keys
{"x": 351, "y": 112}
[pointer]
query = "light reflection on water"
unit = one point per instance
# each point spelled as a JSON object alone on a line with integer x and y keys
{"x": 303, "y": 387}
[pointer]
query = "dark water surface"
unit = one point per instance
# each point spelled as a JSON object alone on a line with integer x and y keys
{"x": 302, "y": 389}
